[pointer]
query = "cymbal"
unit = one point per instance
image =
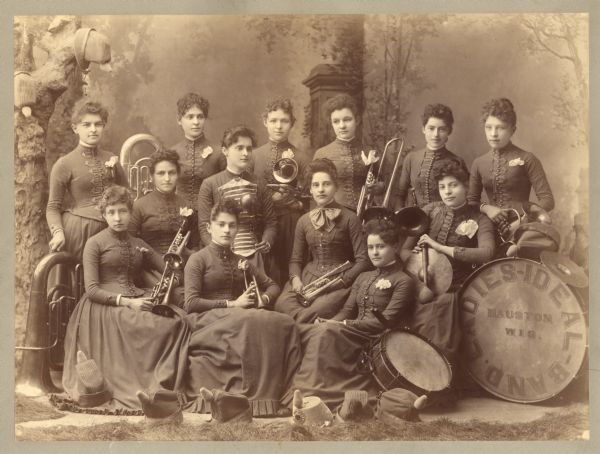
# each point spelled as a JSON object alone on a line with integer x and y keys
{"x": 440, "y": 270}
{"x": 567, "y": 270}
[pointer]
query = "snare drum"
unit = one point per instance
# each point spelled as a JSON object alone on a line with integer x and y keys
{"x": 524, "y": 332}
{"x": 404, "y": 359}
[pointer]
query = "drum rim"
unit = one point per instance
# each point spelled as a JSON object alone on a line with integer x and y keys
{"x": 462, "y": 289}
{"x": 386, "y": 360}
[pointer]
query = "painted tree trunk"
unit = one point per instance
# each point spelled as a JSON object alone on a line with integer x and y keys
{"x": 31, "y": 175}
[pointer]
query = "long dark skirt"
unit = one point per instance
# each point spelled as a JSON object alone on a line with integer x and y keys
{"x": 134, "y": 350}
{"x": 77, "y": 230}
{"x": 438, "y": 321}
{"x": 281, "y": 252}
{"x": 246, "y": 351}
{"x": 330, "y": 363}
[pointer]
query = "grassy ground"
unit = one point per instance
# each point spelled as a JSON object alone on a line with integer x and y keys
{"x": 567, "y": 425}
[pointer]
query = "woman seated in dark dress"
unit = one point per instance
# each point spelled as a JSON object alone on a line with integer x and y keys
{"x": 332, "y": 348}
{"x": 325, "y": 238}
{"x": 157, "y": 215}
{"x": 112, "y": 324}
{"x": 466, "y": 236}
{"x": 235, "y": 346}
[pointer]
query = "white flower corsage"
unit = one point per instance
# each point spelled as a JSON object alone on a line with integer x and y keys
{"x": 382, "y": 284}
{"x": 243, "y": 264}
{"x": 288, "y": 154}
{"x": 142, "y": 249}
{"x": 206, "y": 152}
{"x": 369, "y": 159}
{"x": 111, "y": 162}
{"x": 516, "y": 162}
{"x": 467, "y": 228}
{"x": 185, "y": 212}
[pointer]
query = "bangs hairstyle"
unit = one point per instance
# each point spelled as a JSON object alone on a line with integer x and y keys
{"x": 340, "y": 102}
{"x": 440, "y": 111}
{"x": 164, "y": 155}
{"x": 113, "y": 195}
{"x": 500, "y": 108}
{"x": 386, "y": 229}
{"x": 280, "y": 103}
{"x": 321, "y": 165}
{"x": 452, "y": 169}
{"x": 189, "y": 100}
{"x": 231, "y": 135}
{"x": 84, "y": 107}
{"x": 225, "y": 206}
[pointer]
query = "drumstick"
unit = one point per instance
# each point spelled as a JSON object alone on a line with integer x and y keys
{"x": 379, "y": 316}
{"x": 425, "y": 264}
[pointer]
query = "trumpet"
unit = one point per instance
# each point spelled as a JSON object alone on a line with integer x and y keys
{"x": 161, "y": 293}
{"x": 373, "y": 185}
{"x": 311, "y": 291}
{"x": 260, "y": 302}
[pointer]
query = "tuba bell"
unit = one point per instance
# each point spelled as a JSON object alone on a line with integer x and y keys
{"x": 138, "y": 171}
{"x": 412, "y": 221}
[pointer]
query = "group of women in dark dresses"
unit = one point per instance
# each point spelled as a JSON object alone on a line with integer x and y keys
{"x": 219, "y": 338}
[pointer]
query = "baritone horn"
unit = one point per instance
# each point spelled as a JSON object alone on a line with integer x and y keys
{"x": 138, "y": 171}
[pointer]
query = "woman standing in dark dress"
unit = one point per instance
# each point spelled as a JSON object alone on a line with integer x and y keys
{"x": 325, "y": 238}
{"x": 198, "y": 158}
{"x": 84, "y": 173}
{"x": 346, "y": 150}
{"x": 506, "y": 172}
{"x": 112, "y": 323}
{"x": 235, "y": 346}
{"x": 420, "y": 166}
{"x": 466, "y": 236}
{"x": 332, "y": 348}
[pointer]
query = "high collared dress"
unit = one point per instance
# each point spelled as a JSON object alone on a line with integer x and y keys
{"x": 134, "y": 350}
{"x": 80, "y": 176}
{"x": 318, "y": 251}
{"x": 253, "y": 352}
{"x": 199, "y": 160}
{"x": 438, "y": 320}
{"x": 418, "y": 171}
{"x": 507, "y": 175}
{"x": 332, "y": 351}
{"x": 256, "y": 222}
{"x": 286, "y": 208}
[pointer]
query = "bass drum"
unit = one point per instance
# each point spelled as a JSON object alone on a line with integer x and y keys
{"x": 524, "y": 332}
{"x": 404, "y": 359}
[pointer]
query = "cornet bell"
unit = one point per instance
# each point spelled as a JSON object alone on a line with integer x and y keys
{"x": 285, "y": 170}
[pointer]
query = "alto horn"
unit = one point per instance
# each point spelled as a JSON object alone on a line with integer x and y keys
{"x": 285, "y": 170}
{"x": 138, "y": 171}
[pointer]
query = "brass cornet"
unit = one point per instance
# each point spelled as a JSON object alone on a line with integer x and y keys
{"x": 260, "y": 302}
{"x": 161, "y": 293}
{"x": 311, "y": 291}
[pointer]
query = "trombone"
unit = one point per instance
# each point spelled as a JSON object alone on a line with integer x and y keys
{"x": 369, "y": 188}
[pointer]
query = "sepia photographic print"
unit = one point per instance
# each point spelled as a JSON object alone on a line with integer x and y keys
{"x": 301, "y": 227}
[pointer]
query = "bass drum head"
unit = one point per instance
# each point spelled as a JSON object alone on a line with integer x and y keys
{"x": 524, "y": 332}
{"x": 417, "y": 361}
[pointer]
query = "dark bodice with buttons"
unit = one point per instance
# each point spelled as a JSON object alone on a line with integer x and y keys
{"x": 316, "y": 252}
{"x": 112, "y": 262}
{"x": 387, "y": 289}
{"x": 352, "y": 172}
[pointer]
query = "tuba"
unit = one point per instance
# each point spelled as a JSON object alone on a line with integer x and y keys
{"x": 138, "y": 171}
{"x": 163, "y": 289}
